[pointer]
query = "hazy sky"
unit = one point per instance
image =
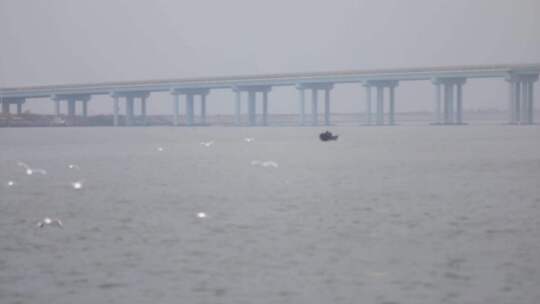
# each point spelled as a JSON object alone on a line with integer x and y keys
{"x": 75, "y": 41}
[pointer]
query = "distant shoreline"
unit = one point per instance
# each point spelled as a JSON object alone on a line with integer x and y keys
{"x": 46, "y": 120}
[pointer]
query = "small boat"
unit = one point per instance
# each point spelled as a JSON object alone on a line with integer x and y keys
{"x": 326, "y": 136}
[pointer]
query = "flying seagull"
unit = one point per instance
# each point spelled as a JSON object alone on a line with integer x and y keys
{"x": 48, "y": 221}
{"x": 207, "y": 143}
{"x": 29, "y": 170}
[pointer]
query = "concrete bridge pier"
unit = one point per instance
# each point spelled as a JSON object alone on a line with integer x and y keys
{"x": 448, "y": 107}
{"x": 8, "y": 101}
{"x": 143, "y": 109}
{"x": 130, "y": 97}
{"x": 252, "y": 92}
{"x": 301, "y": 104}
{"x": 5, "y": 107}
{"x": 521, "y": 105}
{"x": 190, "y": 94}
{"x": 381, "y": 86}
{"x": 71, "y": 101}
{"x": 315, "y": 88}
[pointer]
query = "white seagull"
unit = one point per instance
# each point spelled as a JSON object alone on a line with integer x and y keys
{"x": 249, "y": 139}
{"x": 29, "y": 170}
{"x": 49, "y": 221}
{"x": 207, "y": 143}
{"x": 266, "y": 163}
{"x": 77, "y": 185}
{"x": 73, "y": 166}
{"x": 160, "y": 149}
{"x": 201, "y": 215}
{"x": 10, "y": 183}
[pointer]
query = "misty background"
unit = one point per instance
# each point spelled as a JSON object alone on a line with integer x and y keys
{"x": 62, "y": 41}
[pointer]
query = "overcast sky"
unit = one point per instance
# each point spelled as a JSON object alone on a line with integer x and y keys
{"x": 77, "y": 41}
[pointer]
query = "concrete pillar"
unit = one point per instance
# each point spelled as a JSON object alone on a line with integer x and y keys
{"x": 129, "y": 110}
{"x": 143, "y": 109}
{"x": 238, "y": 107}
{"x": 19, "y": 108}
{"x": 391, "y": 110}
{"x": 327, "y": 107}
{"x": 116, "y": 109}
{"x": 85, "y": 108}
{"x": 446, "y": 101}
{"x": 265, "y": 108}
{"x": 314, "y": 110}
{"x": 57, "y": 108}
{"x": 459, "y": 104}
{"x": 511, "y": 95}
{"x": 451, "y": 114}
{"x": 380, "y": 105}
{"x": 531, "y": 102}
{"x": 517, "y": 101}
{"x": 203, "y": 109}
{"x": 176, "y": 109}
{"x": 368, "y": 104}
{"x": 190, "y": 112}
{"x": 301, "y": 102}
{"x": 252, "y": 108}
{"x": 5, "y": 107}
{"x": 524, "y": 102}
{"x": 71, "y": 107}
{"x": 437, "y": 116}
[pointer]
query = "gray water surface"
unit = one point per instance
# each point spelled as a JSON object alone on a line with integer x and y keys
{"x": 404, "y": 214}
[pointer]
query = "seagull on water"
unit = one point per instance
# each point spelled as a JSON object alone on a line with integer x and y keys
{"x": 73, "y": 166}
{"x": 266, "y": 163}
{"x": 10, "y": 183}
{"x": 48, "y": 221}
{"x": 29, "y": 170}
{"x": 160, "y": 149}
{"x": 77, "y": 185}
{"x": 207, "y": 143}
{"x": 249, "y": 139}
{"x": 201, "y": 215}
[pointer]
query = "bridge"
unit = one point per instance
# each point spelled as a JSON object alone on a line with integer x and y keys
{"x": 447, "y": 83}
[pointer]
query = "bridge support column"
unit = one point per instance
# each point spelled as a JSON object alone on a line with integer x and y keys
{"x": 520, "y": 99}
{"x": 391, "y": 110}
{"x": 251, "y": 108}
{"x": 238, "y": 108}
{"x": 530, "y": 118}
{"x": 176, "y": 109}
{"x": 5, "y": 107}
{"x": 459, "y": 103}
{"x": 143, "y": 109}
{"x": 315, "y": 87}
{"x": 452, "y": 100}
{"x": 265, "y": 108}
{"x": 190, "y": 113}
{"x": 381, "y": 85}
{"x": 524, "y": 107}
{"x": 314, "y": 110}
{"x": 190, "y": 94}
{"x": 203, "y": 109}
{"x": 380, "y": 105}
{"x": 301, "y": 104}
{"x": 57, "y": 108}
{"x": 327, "y": 107}
{"x": 129, "y": 110}
{"x": 252, "y": 91}
{"x": 368, "y": 103}
{"x": 437, "y": 115}
{"x": 116, "y": 110}
{"x": 71, "y": 107}
{"x": 85, "y": 108}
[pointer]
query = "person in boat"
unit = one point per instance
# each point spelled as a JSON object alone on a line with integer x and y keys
{"x": 327, "y": 135}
